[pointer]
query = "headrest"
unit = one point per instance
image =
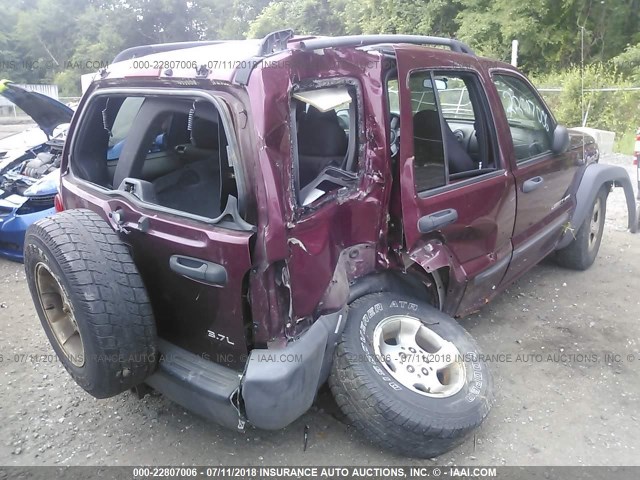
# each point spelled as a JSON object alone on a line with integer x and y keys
{"x": 177, "y": 133}
{"x": 204, "y": 134}
{"x": 204, "y": 129}
{"x": 426, "y": 125}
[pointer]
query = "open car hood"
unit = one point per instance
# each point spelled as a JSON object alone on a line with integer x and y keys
{"x": 45, "y": 111}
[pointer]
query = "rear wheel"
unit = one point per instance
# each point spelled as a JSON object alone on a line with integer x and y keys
{"x": 91, "y": 301}
{"x": 409, "y": 377}
{"x": 583, "y": 249}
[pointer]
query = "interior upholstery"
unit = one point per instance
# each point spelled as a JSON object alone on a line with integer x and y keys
{"x": 204, "y": 134}
{"x": 321, "y": 142}
{"x": 195, "y": 188}
{"x": 202, "y": 141}
{"x": 426, "y": 126}
{"x": 177, "y": 132}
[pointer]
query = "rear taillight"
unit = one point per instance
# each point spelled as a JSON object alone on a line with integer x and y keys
{"x": 636, "y": 149}
{"x": 57, "y": 202}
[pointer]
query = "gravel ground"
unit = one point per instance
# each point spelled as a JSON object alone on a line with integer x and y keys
{"x": 559, "y": 400}
{"x": 8, "y": 129}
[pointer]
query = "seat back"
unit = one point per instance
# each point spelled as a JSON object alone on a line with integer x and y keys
{"x": 427, "y": 127}
{"x": 321, "y": 142}
{"x": 203, "y": 138}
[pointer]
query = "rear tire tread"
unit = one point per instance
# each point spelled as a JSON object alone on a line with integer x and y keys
{"x": 106, "y": 292}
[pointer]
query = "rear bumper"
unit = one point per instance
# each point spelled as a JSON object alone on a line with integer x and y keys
{"x": 12, "y": 230}
{"x": 199, "y": 385}
{"x": 276, "y": 388}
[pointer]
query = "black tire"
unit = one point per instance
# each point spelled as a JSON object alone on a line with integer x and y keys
{"x": 400, "y": 419}
{"x": 583, "y": 249}
{"x": 74, "y": 259}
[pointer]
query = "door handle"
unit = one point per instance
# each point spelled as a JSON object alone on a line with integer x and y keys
{"x": 435, "y": 221}
{"x": 531, "y": 184}
{"x": 201, "y": 270}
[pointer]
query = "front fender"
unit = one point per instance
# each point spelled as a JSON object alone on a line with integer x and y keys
{"x": 595, "y": 176}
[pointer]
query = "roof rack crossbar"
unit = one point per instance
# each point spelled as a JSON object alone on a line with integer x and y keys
{"x": 275, "y": 42}
{"x": 367, "y": 40}
{"x": 142, "y": 50}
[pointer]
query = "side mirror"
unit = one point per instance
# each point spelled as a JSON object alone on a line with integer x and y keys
{"x": 560, "y": 140}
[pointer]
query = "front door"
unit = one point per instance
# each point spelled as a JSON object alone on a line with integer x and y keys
{"x": 543, "y": 179}
{"x": 455, "y": 184}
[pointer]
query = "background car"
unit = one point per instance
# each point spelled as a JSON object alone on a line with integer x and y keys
{"x": 29, "y": 165}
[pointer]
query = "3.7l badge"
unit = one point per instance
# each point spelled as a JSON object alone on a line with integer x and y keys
{"x": 219, "y": 337}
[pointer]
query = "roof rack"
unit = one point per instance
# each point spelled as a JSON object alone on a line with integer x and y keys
{"x": 273, "y": 42}
{"x": 367, "y": 40}
{"x": 277, "y": 41}
{"x": 142, "y": 50}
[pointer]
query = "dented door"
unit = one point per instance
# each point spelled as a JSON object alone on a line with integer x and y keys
{"x": 472, "y": 219}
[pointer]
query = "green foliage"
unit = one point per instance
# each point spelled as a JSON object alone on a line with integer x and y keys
{"x": 435, "y": 17}
{"x": 548, "y": 30}
{"x": 68, "y": 82}
{"x": 617, "y": 111}
{"x": 629, "y": 62}
{"x": 58, "y": 40}
{"x": 313, "y": 17}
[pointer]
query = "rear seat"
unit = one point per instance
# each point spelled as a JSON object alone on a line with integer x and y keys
{"x": 194, "y": 187}
{"x": 204, "y": 140}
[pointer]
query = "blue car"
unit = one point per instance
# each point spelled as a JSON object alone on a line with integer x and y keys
{"x": 29, "y": 166}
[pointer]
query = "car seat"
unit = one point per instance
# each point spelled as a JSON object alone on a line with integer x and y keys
{"x": 426, "y": 126}
{"x": 321, "y": 142}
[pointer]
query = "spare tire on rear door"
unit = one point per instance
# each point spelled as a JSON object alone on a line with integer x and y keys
{"x": 409, "y": 377}
{"x": 91, "y": 301}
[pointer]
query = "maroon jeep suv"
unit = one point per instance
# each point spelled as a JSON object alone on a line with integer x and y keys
{"x": 243, "y": 221}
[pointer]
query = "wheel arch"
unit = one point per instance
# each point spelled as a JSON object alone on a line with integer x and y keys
{"x": 434, "y": 260}
{"x": 416, "y": 283}
{"x": 595, "y": 177}
{"x": 417, "y": 279}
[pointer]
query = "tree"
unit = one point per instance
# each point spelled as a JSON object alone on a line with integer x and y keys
{"x": 313, "y": 17}
{"x": 43, "y": 40}
{"x": 231, "y": 20}
{"x": 431, "y": 17}
{"x": 628, "y": 62}
{"x": 549, "y": 30}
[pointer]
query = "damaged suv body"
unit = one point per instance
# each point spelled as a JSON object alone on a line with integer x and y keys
{"x": 274, "y": 213}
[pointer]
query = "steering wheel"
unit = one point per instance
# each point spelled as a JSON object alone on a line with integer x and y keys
{"x": 394, "y": 134}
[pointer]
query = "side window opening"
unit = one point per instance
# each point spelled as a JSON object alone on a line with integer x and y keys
{"x": 166, "y": 151}
{"x": 429, "y": 166}
{"x": 467, "y": 140}
{"x": 530, "y": 123}
{"x": 451, "y": 137}
{"x": 325, "y": 144}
